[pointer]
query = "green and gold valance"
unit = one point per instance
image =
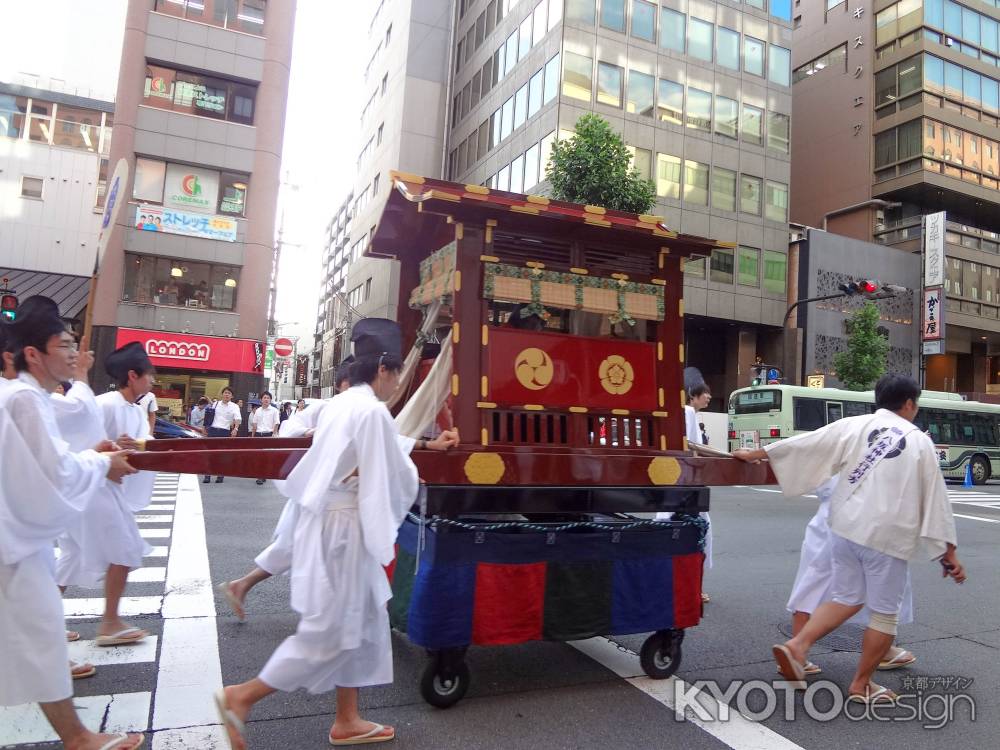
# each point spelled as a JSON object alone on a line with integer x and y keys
{"x": 437, "y": 276}
{"x": 621, "y": 300}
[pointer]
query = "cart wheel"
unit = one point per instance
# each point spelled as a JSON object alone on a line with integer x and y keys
{"x": 661, "y": 654}
{"x": 441, "y": 689}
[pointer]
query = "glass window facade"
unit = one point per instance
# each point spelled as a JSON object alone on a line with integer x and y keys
{"x": 723, "y": 189}
{"x": 699, "y": 110}
{"x": 670, "y": 105}
{"x": 578, "y": 71}
{"x": 700, "y": 39}
{"x": 151, "y": 280}
{"x": 668, "y": 176}
{"x": 775, "y": 272}
{"x": 748, "y": 267}
{"x": 727, "y": 48}
{"x": 672, "y": 30}
{"x": 750, "y": 188}
{"x": 609, "y": 84}
{"x": 751, "y": 125}
{"x": 613, "y": 15}
{"x": 696, "y": 184}
{"x": 644, "y": 20}
{"x": 753, "y": 56}
{"x": 195, "y": 94}
{"x": 640, "y": 93}
{"x": 727, "y": 116}
{"x": 720, "y": 266}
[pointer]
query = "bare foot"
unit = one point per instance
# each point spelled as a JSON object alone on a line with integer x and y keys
{"x": 80, "y": 671}
{"x": 346, "y": 730}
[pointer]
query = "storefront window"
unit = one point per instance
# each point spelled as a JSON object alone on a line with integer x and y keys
{"x": 201, "y": 95}
{"x": 162, "y": 281}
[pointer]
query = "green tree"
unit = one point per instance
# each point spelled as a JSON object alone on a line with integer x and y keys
{"x": 864, "y": 361}
{"x": 595, "y": 167}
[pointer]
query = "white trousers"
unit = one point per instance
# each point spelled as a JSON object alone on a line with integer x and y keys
{"x": 276, "y": 558}
{"x": 34, "y": 660}
{"x": 862, "y": 575}
{"x": 814, "y": 580}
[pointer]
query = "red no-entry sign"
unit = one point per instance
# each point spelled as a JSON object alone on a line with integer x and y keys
{"x": 283, "y": 347}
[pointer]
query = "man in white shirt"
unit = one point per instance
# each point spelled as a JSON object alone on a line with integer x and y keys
{"x": 890, "y": 506}
{"x": 225, "y": 423}
{"x": 149, "y": 405}
{"x": 264, "y": 420}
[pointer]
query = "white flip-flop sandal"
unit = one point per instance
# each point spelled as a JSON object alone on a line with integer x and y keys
{"x": 228, "y": 718}
{"x": 898, "y": 661}
{"x": 372, "y": 736}
{"x": 119, "y": 739}
{"x": 122, "y": 637}
{"x": 230, "y": 597}
{"x": 790, "y": 669}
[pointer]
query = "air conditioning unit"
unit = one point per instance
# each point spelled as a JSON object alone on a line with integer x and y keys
{"x": 949, "y": 42}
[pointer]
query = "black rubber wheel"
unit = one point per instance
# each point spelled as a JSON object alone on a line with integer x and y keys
{"x": 444, "y": 690}
{"x": 980, "y": 470}
{"x": 661, "y": 654}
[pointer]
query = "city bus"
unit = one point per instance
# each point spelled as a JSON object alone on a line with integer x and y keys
{"x": 964, "y": 432}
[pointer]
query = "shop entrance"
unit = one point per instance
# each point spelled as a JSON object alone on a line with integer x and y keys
{"x": 177, "y": 392}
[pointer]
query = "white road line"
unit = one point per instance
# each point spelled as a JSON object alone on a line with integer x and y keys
{"x": 158, "y": 552}
{"x": 148, "y": 575}
{"x": 739, "y": 732}
{"x": 976, "y": 518}
{"x": 88, "y": 651}
{"x": 189, "y": 669}
{"x": 764, "y": 489}
{"x": 131, "y": 606}
{"x": 159, "y": 507}
{"x": 203, "y": 738}
{"x": 155, "y": 518}
{"x": 154, "y": 533}
{"x": 109, "y": 713}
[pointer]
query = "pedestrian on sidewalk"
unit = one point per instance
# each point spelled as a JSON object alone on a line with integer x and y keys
{"x": 890, "y": 506}
{"x": 226, "y": 419}
{"x": 197, "y": 419}
{"x": 45, "y": 487}
{"x": 107, "y": 543}
{"x": 354, "y": 487}
{"x": 264, "y": 420}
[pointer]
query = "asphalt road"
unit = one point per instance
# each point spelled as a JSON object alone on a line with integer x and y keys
{"x": 554, "y": 695}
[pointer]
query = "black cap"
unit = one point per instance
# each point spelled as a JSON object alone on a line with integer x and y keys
{"x": 129, "y": 357}
{"x": 375, "y": 337}
{"x": 343, "y": 371}
{"x": 37, "y": 321}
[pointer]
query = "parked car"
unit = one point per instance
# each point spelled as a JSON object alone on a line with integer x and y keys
{"x": 167, "y": 430}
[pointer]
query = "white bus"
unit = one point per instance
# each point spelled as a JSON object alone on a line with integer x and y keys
{"x": 964, "y": 432}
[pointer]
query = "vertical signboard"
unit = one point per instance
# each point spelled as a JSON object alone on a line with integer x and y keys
{"x": 932, "y": 317}
{"x": 934, "y": 250}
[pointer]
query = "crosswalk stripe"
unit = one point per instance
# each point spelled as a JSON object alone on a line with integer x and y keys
{"x": 210, "y": 738}
{"x": 738, "y": 732}
{"x": 88, "y": 651}
{"x": 977, "y": 518}
{"x": 117, "y": 713}
{"x": 158, "y": 552}
{"x": 131, "y": 606}
{"x": 154, "y": 533}
{"x": 148, "y": 575}
{"x": 155, "y": 518}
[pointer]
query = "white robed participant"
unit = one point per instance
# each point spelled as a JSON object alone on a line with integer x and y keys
{"x": 108, "y": 537}
{"x": 276, "y": 558}
{"x": 45, "y": 486}
{"x": 814, "y": 581}
{"x": 354, "y": 487}
{"x": 890, "y": 506}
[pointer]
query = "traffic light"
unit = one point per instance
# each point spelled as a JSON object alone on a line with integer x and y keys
{"x": 8, "y": 305}
{"x": 866, "y": 287}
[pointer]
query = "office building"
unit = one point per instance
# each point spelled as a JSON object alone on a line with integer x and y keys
{"x": 199, "y": 119}
{"x": 699, "y": 90}
{"x": 896, "y": 111}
